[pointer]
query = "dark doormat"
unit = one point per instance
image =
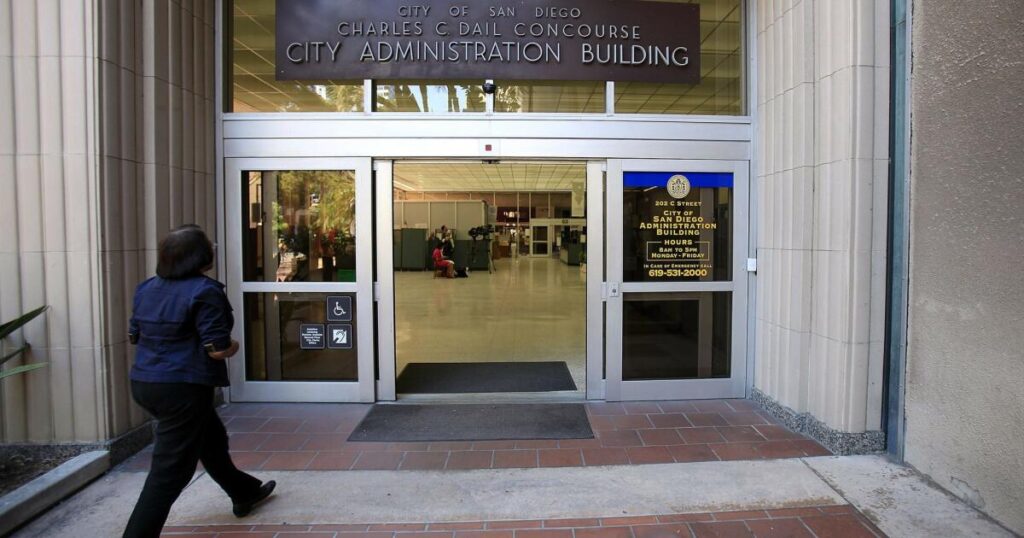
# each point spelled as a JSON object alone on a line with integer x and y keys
{"x": 463, "y": 377}
{"x": 473, "y": 422}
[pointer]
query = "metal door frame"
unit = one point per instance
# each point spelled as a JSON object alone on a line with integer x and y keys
{"x": 302, "y": 391}
{"x": 384, "y": 287}
{"x": 615, "y": 288}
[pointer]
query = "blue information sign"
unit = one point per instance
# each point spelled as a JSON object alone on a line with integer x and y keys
{"x": 661, "y": 179}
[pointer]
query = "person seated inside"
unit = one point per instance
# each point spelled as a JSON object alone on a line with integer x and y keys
{"x": 442, "y": 263}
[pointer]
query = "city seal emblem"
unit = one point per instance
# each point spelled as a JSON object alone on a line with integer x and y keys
{"x": 678, "y": 186}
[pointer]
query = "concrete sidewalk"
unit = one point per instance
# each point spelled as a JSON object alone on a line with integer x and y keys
{"x": 897, "y": 500}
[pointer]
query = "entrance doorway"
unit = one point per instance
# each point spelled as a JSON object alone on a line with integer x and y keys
{"x": 332, "y": 306}
{"x": 490, "y": 279}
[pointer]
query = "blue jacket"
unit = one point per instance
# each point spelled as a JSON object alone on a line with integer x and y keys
{"x": 172, "y": 321}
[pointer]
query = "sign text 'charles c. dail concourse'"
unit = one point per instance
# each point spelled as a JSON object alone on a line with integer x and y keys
{"x": 480, "y": 39}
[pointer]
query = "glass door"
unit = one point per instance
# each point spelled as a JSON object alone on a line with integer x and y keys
{"x": 676, "y": 288}
{"x": 299, "y": 259}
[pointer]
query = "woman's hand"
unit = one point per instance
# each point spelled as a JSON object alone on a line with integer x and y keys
{"x": 226, "y": 353}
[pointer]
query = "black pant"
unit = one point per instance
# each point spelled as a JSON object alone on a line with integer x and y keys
{"x": 188, "y": 430}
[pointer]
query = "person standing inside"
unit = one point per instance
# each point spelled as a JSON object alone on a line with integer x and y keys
{"x": 181, "y": 324}
{"x": 447, "y": 243}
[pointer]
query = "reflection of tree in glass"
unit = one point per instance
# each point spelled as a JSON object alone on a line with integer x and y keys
{"x": 397, "y": 98}
{"x": 416, "y": 98}
{"x": 474, "y": 96}
{"x": 345, "y": 98}
{"x": 509, "y": 98}
{"x": 331, "y": 197}
{"x": 314, "y": 202}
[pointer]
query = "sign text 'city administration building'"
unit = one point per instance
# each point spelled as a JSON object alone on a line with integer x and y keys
{"x": 480, "y": 39}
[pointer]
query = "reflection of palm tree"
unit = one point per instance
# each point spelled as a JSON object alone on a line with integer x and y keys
{"x": 400, "y": 100}
{"x": 510, "y": 98}
{"x": 416, "y": 98}
{"x": 475, "y": 97}
{"x": 453, "y": 99}
{"x": 423, "y": 98}
{"x": 345, "y": 98}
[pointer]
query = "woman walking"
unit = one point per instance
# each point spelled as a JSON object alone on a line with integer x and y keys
{"x": 181, "y": 323}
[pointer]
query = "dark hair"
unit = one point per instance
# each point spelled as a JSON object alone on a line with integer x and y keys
{"x": 185, "y": 252}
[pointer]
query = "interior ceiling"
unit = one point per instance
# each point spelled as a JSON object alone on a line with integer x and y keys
{"x": 255, "y": 88}
{"x": 484, "y": 177}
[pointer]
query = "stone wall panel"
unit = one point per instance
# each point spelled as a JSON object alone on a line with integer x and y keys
{"x": 102, "y": 99}
{"x": 821, "y": 98}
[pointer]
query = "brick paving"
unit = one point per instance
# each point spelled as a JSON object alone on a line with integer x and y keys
{"x": 816, "y": 522}
{"x": 289, "y": 437}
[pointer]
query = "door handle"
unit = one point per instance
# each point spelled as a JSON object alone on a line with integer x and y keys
{"x": 612, "y": 289}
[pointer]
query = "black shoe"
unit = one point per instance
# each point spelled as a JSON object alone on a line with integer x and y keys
{"x": 242, "y": 509}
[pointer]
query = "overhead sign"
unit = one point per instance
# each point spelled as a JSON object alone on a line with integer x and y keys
{"x": 311, "y": 336}
{"x": 485, "y": 39}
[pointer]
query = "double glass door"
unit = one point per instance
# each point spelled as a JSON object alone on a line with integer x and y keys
{"x": 666, "y": 296}
{"x": 675, "y": 289}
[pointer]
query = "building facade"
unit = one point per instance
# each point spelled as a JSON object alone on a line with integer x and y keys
{"x": 850, "y": 141}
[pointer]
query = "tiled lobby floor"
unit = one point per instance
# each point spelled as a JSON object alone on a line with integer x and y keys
{"x": 529, "y": 309}
{"x": 821, "y": 522}
{"x": 290, "y": 437}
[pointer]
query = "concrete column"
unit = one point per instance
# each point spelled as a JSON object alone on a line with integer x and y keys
{"x": 157, "y": 65}
{"x": 109, "y": 144}
{"x": 48, "y": 200}
{"x": 822, "y": 102}
{"x": 965, "y": 334}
